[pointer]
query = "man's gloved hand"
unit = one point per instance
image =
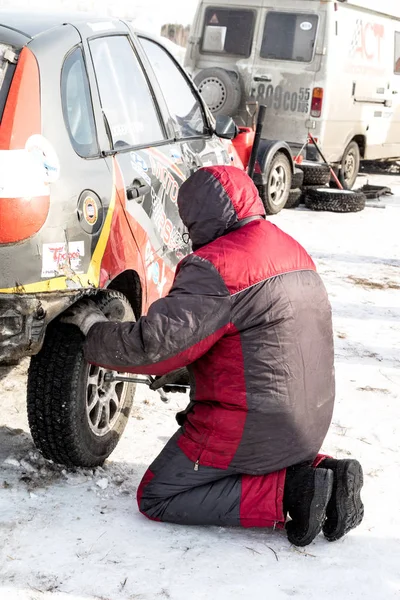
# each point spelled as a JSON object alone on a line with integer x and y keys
{"x": 178, "y": 377}
{"x": 84, "y": 314}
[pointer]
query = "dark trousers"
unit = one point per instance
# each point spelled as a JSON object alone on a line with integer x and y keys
{"x": 176, "y": 490}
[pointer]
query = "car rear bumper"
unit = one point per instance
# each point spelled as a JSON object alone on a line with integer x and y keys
{"x": 24, "y": 318}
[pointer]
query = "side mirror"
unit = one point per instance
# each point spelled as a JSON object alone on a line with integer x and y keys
{"x": 225, "y": 127}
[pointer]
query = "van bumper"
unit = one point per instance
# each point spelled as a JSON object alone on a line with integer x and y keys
{"x": 24, "y": 318}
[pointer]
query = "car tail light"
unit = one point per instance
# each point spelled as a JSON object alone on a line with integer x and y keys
{"x": 317, "y": 101}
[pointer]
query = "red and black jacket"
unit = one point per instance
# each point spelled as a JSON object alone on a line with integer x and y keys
{"x": 250, "y": 317}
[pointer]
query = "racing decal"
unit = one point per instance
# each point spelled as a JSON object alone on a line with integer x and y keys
{"x": 139, "y": 165}
{"x": 280, "y": 98}
{"x": 170, "y": 235}
{"x": 365, "y": 54}
{"x": 167, "y": 180}
{"x": 166, "y": 162}
{"x": 62, "y": 258}
{"x": 90, "y": 211}
{"x": 45, "y": 156}
{"x": 155, "y": 273}
{"x": 21, "y": 176}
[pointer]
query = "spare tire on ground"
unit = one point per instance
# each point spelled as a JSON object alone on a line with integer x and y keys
{"x": 340, "y": 201}
{"x": 297, "y": 178}
{"x": 305, "y": 189}
{"x": 294, "y": 199}
{"x": 220, "y": 90}
{"x": 315, "y": 173}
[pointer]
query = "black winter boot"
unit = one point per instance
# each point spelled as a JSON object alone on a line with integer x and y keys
{"x": 345, "y": 510}
{"x": 306, "y": 496}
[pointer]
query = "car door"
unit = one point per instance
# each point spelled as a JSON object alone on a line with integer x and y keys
{"x": 198, "y": 147}
{"x": 143, "y": 146}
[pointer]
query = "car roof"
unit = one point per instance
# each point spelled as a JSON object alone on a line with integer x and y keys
{"x": 33, "y": 23}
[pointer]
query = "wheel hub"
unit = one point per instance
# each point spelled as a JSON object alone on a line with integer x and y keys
{"x": 213, "y": 92}
{"x": 277, "y": 184}
{"x": 104, "y": 401}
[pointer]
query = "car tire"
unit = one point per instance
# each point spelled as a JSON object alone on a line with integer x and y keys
{"x": 220, "y": 90}
{"x": 339, "y": 201}
{"x": 62, "y": 387}
{"x": 297, "y": 179}
{"x": 350, "y": 166}
{"x": 294, "y": 199}
{"x": 275, "y": 192}
{"x": 315, "y": 173}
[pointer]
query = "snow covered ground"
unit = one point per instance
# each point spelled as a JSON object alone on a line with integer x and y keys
{"x": 79, "y": 535}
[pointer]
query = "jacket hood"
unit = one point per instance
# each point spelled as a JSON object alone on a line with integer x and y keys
{"x": 215, "y": 199}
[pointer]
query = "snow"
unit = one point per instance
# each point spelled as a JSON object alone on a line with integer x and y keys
{"x": 78, "y": 535}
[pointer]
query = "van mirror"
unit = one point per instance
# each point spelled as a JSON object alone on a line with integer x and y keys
{"x": 214, "y": 39}
{"x": 225, "y": 127}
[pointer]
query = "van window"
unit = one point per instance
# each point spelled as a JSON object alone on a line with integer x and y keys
{"x": 289, "y": 36}
{"x": 228, "y": 31}
{"x": 397, "y": 53}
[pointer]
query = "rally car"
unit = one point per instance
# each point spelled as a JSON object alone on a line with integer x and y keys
{"x": 99, "y": 128}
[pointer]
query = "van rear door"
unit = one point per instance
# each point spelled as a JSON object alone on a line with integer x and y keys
{"x": 288, "y": 59}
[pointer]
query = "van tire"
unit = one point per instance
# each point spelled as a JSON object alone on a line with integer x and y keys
{"x": 275, "y": 193}
{"x": 297, "y": 178}
{"x": 220, "y": 90}
{"x": 315, "y": 173}
{"x": 294, "y": 199}
{"x": 350, "y": 165}
{"x": 339, "y": 201}
{"x": 58, "y": 394}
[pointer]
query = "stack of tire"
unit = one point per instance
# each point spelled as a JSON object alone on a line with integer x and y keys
{"x": 310, "y": 186}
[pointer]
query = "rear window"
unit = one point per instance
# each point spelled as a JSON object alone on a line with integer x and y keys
{"x": 289, "y": 36}
{"x": 8, "y": 60}
{"x": 228, "y": 31}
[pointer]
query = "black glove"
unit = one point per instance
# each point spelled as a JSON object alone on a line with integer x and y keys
{"x": 84, "y": 314}
{"x": 180, "y": 377}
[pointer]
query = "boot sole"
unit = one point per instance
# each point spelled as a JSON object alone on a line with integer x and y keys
{"x": 347, "y": 510}
{"x": 323, "y": 485}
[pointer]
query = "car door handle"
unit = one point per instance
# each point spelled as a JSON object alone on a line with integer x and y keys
{"x": 265, "y": 78}
{"x": 137, "y": 189}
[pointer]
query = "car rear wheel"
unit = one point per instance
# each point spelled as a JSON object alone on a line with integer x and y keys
{"x": 76, "y": 415}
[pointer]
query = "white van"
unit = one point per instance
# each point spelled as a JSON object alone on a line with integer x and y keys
{"x": 327, "y": 67}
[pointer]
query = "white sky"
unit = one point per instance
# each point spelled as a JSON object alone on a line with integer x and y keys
{"x": 149, "y": 14}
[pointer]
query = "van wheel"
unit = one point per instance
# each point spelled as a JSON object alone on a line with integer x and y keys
{"x": 220, "y": 90}
{"x": 315, "y": 173}
{"x": 340, "y": 201}
{"x": 76, "y": 417}
{"x": 350, "y": 166}
{"x": 275, "y": 193}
